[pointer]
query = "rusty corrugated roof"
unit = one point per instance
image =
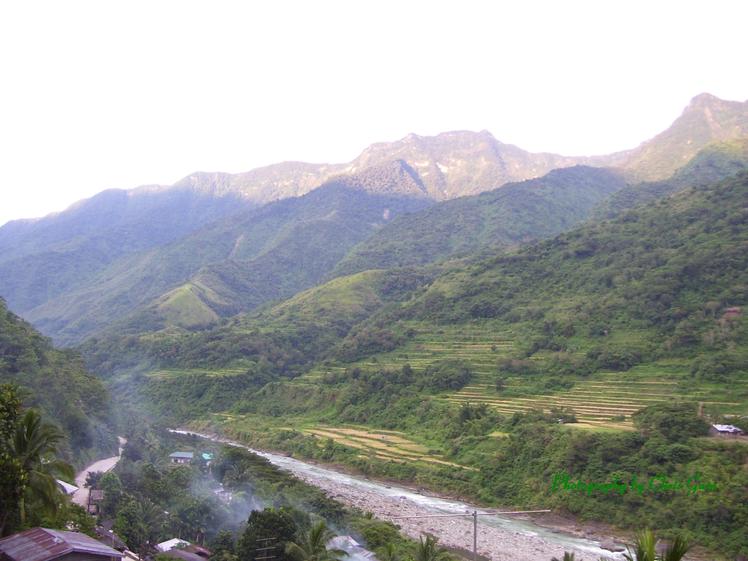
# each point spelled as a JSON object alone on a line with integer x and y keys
{"x": 41, "y": 544}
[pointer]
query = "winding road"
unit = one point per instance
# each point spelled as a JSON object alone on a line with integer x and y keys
{"x": 81, "y": 495}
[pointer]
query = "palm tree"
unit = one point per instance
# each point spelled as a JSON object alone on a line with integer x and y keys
{"x": 429, "y": 550}
{"x": 34, "y": 444}
{"x": 645, "y": 549}
{"x": 388, "y": 553}
{"x": 313, "y": 545}
{"x": 676, "y": 550}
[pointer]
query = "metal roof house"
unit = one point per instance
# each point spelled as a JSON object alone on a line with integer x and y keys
{"x": 726, "y": 430}
{"x": 181, "y": 549}
{"x": 41, "y": 544}
{"x": 181, "y": 457}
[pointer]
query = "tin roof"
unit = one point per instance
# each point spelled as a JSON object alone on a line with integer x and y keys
{"x": 185, "y": 455}
{"x": 66, "y": 487}
{"x": 41, "y": 544}
{"x": 171, "y": 544}
{"x": 726, "y": 428}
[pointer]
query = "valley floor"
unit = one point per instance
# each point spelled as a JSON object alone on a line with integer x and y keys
{"x": 494, "y": 543}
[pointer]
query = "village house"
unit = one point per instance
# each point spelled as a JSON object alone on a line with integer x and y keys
{"x": 181, "y": 457}
{"x": 725, "y": 430}
{"x": 95, "y": 498}
{"x": 181, "y": 549}
{"x": 41, "y": 544}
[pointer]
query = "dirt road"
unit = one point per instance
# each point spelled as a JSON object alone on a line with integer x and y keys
{"x": 81, "y": 495}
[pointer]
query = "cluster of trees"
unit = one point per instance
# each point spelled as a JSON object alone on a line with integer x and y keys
{"x": 669, "y": 270}
{"x": 29, "y": 468}
{"x": 29, "y": 360}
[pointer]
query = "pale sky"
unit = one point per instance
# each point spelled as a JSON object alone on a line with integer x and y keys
{"x": 101, "y": 94}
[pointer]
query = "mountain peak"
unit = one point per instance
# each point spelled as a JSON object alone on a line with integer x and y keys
{"x": 703, "y": 99}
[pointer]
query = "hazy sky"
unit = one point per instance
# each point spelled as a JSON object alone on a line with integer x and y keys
{"x": 102, "y": 94}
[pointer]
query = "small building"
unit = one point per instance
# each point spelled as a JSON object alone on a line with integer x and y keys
{"x": 725, "y": 430}
{"x": 95, "y": 498}
{"x": 41, "y": 544}
{"x": 181, "y": 457}
{"x": 181, "y": 549}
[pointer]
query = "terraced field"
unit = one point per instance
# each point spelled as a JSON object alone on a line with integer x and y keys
{"x": 478, "y": 344}
{"x": 385, "y": 445}
{"x": 602, "y": 402}
{"x": 606, "y": 401}
{"x": 171, "y": 373}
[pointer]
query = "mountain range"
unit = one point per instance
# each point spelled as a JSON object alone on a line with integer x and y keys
{"x": 450, "y": 311}
{"x": 215, "y": 244}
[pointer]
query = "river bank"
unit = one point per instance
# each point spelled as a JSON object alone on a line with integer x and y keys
{"x": 499, "y": 538}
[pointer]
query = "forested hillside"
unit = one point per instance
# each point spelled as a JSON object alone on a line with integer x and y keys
{"x": 585, "y": 354}
{"x": 57, "y": 383}
{"x": 231, "y": 266}
{"x": 517, "y": 213}
{"x": 44, "y": 259}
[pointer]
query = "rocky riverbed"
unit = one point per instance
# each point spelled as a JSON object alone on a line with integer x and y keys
{"x": 495, "y": 543}
{"x": 499, "y": 538}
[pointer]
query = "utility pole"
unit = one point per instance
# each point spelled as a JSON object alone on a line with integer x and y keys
{"x": 475, "y": 535}
{"x": 474, "y": 515}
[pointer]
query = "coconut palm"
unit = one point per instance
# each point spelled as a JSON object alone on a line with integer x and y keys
{"x": 645, "y": 549}
{"x": 313, "y": 545}
{"x": 35, "y": 445}
{"x": 429, "y": 550}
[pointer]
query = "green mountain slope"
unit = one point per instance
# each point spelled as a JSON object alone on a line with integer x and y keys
{"x": 517, "y": 213}
{"x": 713, "y": 163}
{"x": 706, "y": 120}
{"x": 231, "y": 266}
{"x": 57, "y": 383}
{"x": 45, "y": 258}
{"x": 457, "y": 379}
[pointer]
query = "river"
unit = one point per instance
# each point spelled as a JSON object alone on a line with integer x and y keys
{"x": 500, "y": 538}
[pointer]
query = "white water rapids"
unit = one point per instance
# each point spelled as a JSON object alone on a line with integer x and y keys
{"x": 423, "y": 504}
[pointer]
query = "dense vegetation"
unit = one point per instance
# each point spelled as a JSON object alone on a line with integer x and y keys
{"x": 282, "y": 340}
{"x": 457, "y": 376}
{"x": 29, "y": 467}
{"x": 520, "y": 467}
{"x": 662, "y": 282}
{"x": 44, "y": 374}
{"x": 670, "y": 270}
{"x": 233, "y": 502}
